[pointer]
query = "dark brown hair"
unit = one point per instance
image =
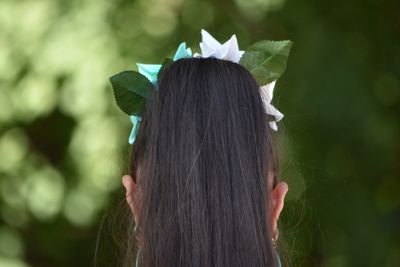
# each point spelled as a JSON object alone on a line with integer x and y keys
{"x": 204, "y": 149}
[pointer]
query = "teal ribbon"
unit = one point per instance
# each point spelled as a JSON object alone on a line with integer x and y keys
{"x": 135, "y": 126}
{"x": 150, "y": 71}
{"x": 182, "y": 52}
{"x": 279, "y": 259}
{"x": 137, "y": 258}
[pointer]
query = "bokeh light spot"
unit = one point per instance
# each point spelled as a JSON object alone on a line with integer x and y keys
{"x": 44, "y": 192}
{"x": 255, "y": 9}
{"x": 13, "y": 148}
{"x": 159, "y": 21}
{"x": 12, "y": 262}
{"x": 79, "y": 207}
{"x": 11, "y": 243}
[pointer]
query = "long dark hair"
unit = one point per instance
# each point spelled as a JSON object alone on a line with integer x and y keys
{"x": 204, "y": 150}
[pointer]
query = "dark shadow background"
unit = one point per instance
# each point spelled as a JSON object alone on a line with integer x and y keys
{"x": 64, "y": 144}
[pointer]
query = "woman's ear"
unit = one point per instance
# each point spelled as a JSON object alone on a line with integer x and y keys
{"x": 131, "y": 192}
{"x": 278, "y": 200}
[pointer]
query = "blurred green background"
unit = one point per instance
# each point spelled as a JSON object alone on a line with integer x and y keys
{"x": 64, "y": 143}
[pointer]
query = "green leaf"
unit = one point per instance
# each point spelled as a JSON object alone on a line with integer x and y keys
{"x": 266, "y": 60}
{"x": 131, "y": 90}
{"x": 164, "y": 65}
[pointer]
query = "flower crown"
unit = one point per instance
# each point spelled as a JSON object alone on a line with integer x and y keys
{"x": 266, "y": 61}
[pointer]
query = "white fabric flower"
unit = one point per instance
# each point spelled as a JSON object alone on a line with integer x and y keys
{"x": 267, "y": 92}
{"x": 212, "y": 48}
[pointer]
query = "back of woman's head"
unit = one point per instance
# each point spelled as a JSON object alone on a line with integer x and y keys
{"x": 201, "y": 158}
